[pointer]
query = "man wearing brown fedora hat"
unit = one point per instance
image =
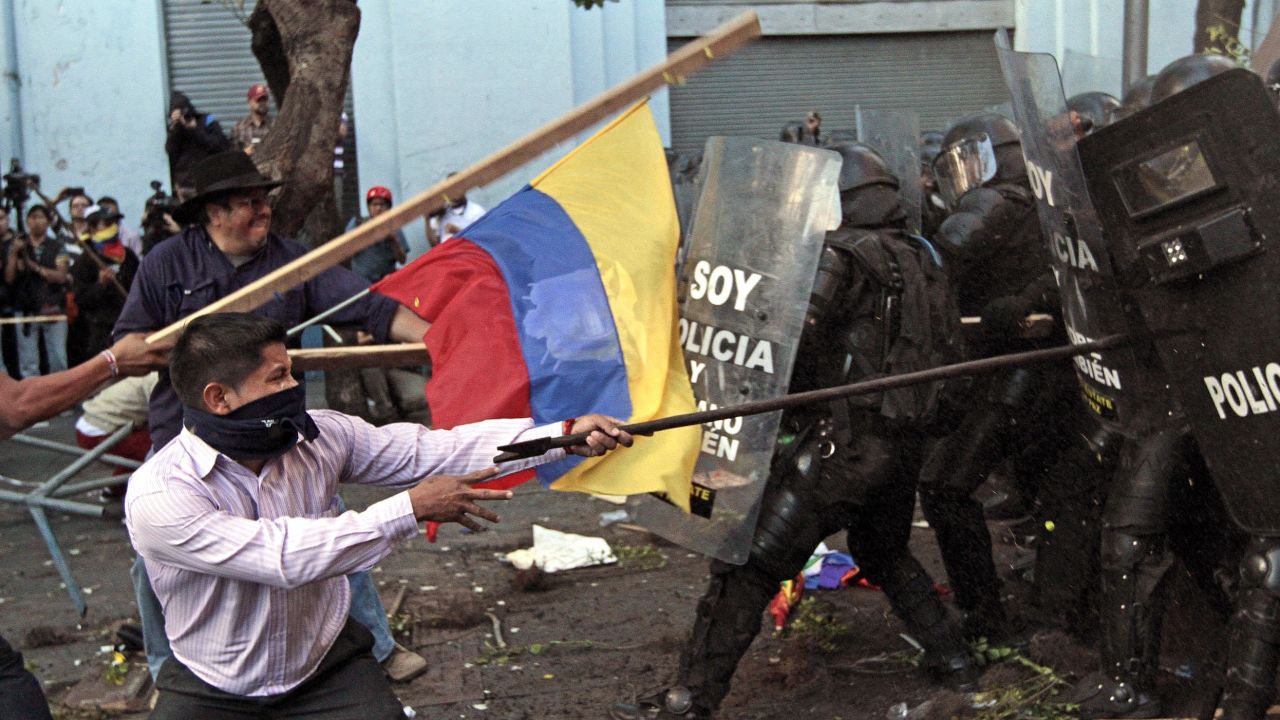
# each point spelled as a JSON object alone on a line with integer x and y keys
{"x": 228, "y": 245}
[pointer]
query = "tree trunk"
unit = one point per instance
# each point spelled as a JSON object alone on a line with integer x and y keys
{"x": 1224, "y": 15}
{"x": 304, "y": 48}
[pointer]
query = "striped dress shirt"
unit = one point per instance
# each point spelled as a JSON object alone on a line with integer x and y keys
{"x": 250, "y": 568}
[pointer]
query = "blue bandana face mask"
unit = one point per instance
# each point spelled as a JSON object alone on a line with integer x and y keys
{"x": 263, "y": 429}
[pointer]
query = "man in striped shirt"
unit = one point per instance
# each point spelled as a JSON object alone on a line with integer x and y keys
{"x": 237, "y": 522}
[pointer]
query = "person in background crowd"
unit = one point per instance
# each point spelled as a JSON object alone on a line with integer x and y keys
{"x": 378, "y": 260}
{"x": 813, "y": 125}
{"x": 193, "y": 136}
{"x": 128, "y": 236}
{"x": 7, "y": 347}
{"x": 36, "y": 266}
{"x": 124, "y": 403}
{"x": 253, "y": 127}
{"x": 98, "y": 298}
{"x": 445, "y": 223}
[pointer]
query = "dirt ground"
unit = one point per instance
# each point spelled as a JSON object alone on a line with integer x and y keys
{"x": 576, "y": 642}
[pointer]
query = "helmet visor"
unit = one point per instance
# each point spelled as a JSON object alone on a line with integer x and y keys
{"x": 964, "y": 165}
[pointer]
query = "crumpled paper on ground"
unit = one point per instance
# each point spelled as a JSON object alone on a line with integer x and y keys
{"x": 554, "y": 551}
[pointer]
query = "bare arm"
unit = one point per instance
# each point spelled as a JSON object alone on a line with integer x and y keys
{"x": 34, "y": 399}
{"x": 11, "y": 263}
{"x": 26, "y": 402}
{"x": 407, "y": 327}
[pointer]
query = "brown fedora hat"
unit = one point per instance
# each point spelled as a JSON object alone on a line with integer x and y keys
{"x": 231, "y": 170}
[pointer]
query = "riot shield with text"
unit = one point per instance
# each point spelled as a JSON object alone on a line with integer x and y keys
{"x": 1186, "y": 190}
{"x": 752, "y": 254}
{"x": 1091, "y": 306}
{"x": 895, "y": 134}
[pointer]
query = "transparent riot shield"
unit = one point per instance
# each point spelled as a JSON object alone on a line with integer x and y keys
{"x": 1082, "y": 73}
{"x": 1091, "y": 305}
{"x": 895, "y": 134}
{"x": 752, "y": 254}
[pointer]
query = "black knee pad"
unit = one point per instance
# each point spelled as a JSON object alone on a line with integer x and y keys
{"x": 789, "y": 528}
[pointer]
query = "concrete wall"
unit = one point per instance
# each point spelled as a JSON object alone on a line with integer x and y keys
{"x": 439, "y": 85}
{"x": 1087, "y": 35}
{"x": 437, "y": 88}
{"x": 90, "y": 96}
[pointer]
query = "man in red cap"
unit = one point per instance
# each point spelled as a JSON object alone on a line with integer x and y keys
{"x": 253, "y": 128}
{"x": 378, "y": 260}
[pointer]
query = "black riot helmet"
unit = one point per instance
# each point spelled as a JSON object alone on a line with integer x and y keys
{"x": 868, "y": 188}
{"x": 1187, "y": 71}
{"x": 978, "y": 150}
{"x": 1096, "y": 109}
{"x": 1137, "y": 97}
{"x": 930, "y": 146}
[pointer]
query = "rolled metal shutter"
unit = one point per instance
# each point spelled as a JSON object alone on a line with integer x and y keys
{"x": 778, "y": 79}
{"x": 210, "y": 59}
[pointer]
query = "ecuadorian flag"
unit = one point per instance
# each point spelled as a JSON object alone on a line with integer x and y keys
{"x": 561, "y": 302}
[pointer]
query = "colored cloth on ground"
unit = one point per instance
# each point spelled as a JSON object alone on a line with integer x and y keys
{"x": 561, "y": 302}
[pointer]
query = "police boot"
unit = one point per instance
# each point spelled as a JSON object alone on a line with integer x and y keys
{"x": 728, "y": 620}
{"x": 1132, "y": 566}
{"x": 946, "y": 655}
{"x": 1254, "y": 651}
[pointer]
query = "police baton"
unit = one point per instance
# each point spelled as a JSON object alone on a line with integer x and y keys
{"x": 534, "y": 448}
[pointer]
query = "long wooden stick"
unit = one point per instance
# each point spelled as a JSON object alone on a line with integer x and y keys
{"x": 32, "y": 319}
{"x": 533, "y": 448}
{"x": 360, "y": 356}
{"x": 688, "y": 59}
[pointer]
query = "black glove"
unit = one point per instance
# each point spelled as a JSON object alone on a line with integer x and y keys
{"x": 1003, "y": 316}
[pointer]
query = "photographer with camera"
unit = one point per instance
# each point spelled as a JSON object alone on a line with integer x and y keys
{"x": 193, "y": 136}
{"x": 36, "y": 267}
{"x": 158, "y": 222}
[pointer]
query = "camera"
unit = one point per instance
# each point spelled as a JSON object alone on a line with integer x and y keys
{"x": 159, "y": 204}
{"x": 18, "y": 184}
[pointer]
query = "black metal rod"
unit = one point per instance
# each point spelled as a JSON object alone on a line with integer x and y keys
{"x": 533, "y": 448}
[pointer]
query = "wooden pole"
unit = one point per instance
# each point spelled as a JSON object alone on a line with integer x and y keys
{"x": 360, "y": 356}
{"x": 533, "y": 448}
{"x": 720, "y": 42}
{"x": 32, "y": 319}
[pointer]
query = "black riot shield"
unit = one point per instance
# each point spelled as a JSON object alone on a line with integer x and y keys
{"x": 1091, "y": 306}
{"x": 895, "y": 134}
{"x": 1187, "y": 192}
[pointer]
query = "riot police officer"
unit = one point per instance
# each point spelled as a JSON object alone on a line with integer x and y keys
{"x": 998, "y": 263}
{"x": 1156, "y": 454}
{"x": 880, "y": 304}
{"x": 1091, "y": 110}
{"x": 933, "y": 209}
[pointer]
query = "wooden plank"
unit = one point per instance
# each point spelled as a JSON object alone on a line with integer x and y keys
{"x": 32, "y": 319}
{"x": 688, "y": 59}
{"x": 1037, "y": 325}
{"x": 360, "y": 356}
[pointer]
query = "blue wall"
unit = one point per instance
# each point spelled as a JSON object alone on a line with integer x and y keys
{"x": 438, "y": 85}
{"x": 91, "y": 97}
